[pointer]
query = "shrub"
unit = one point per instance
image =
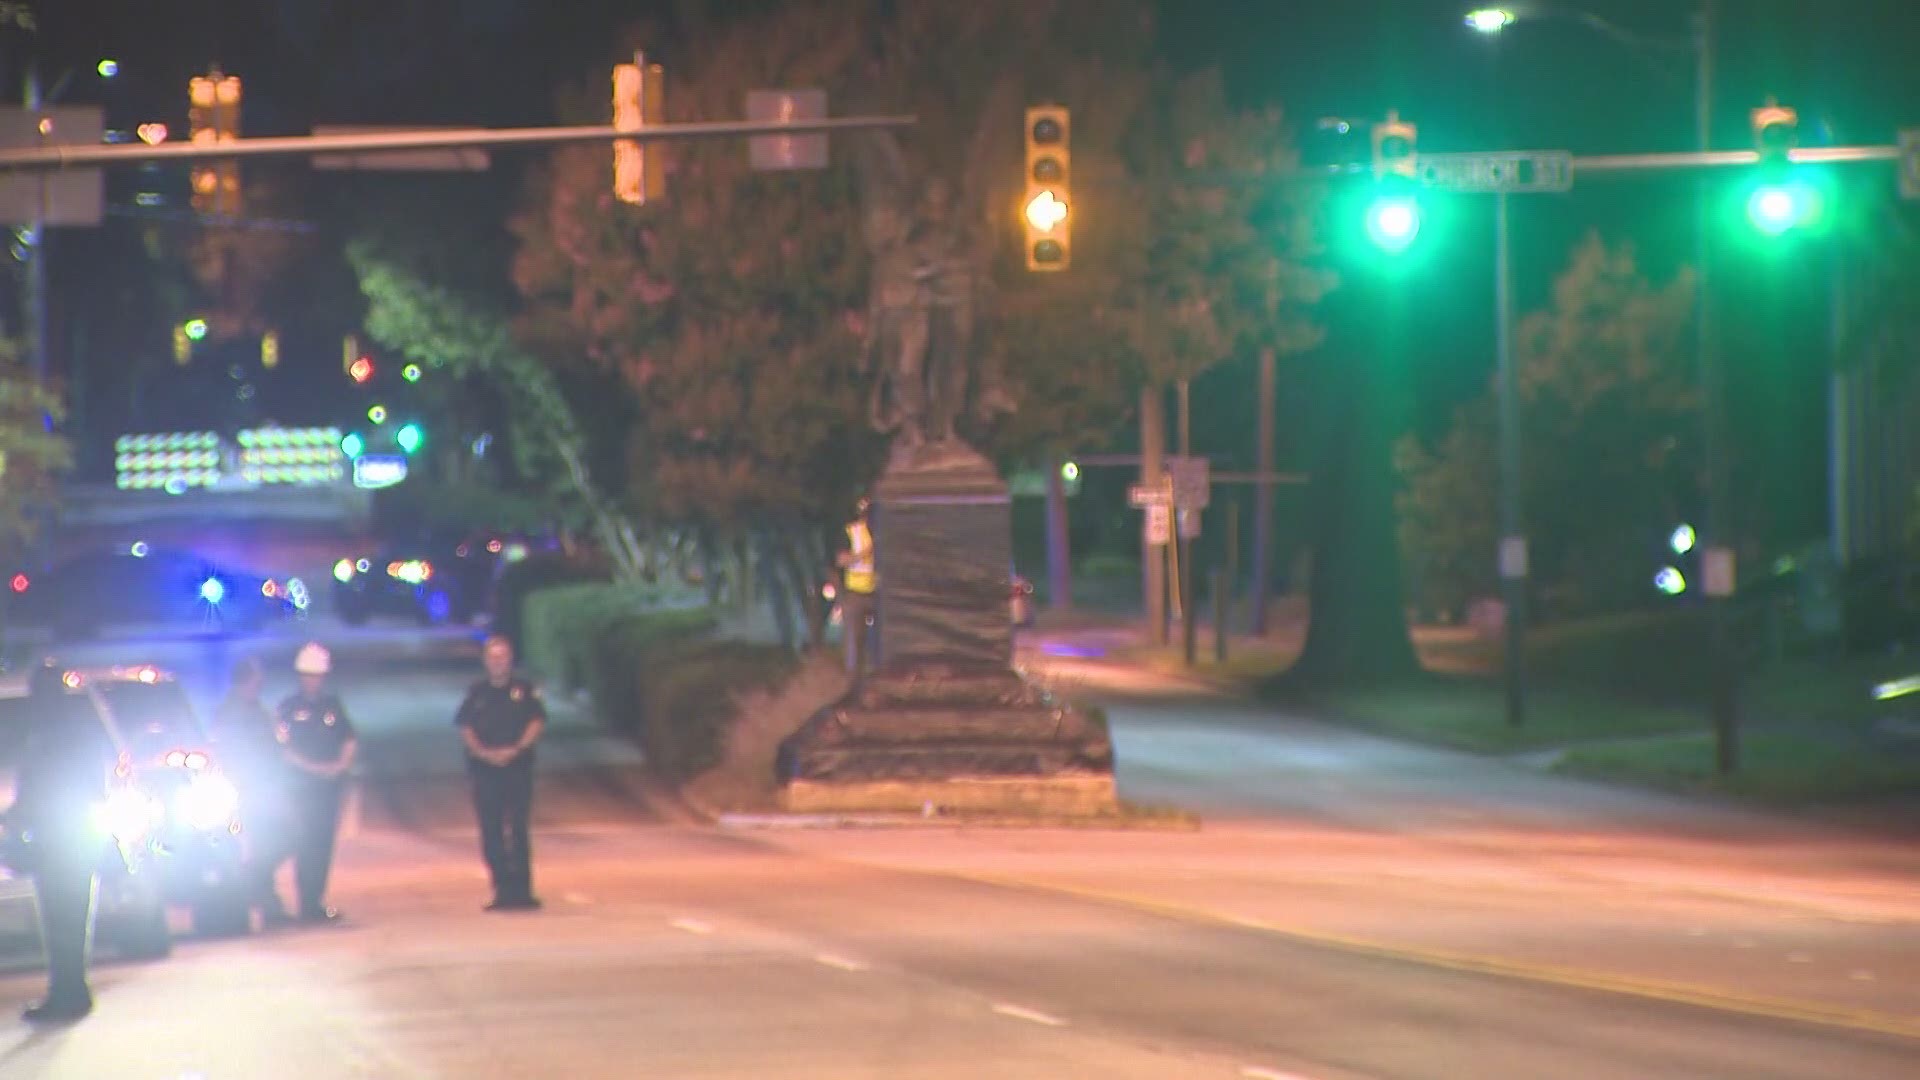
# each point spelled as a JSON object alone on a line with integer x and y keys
{"x": 685, "y": 697}
{"x": 565, "y": 629}
{"x": 522, "y": 579}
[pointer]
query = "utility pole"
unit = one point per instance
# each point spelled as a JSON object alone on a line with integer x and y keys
{"x": 1263, "y": 492}
{"x": 1513, "y": 542}
{"x": 1059, "y": 541}
{"x": 1153, "y": 557}
{"x": 1718, "y": 550}
{"x": 1189, "y": 613}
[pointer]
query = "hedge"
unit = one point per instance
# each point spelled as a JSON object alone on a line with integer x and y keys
{"x": 521, "y": 580}
{"x": 654, "y": 673}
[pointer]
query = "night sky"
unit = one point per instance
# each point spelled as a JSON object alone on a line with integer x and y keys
{"x": 1548, "y": 83}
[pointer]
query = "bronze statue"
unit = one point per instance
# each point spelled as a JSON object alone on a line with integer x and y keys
{"x": 921, "y": 311}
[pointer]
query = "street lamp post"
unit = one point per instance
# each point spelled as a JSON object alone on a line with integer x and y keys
{"x": 1717, "y": 554}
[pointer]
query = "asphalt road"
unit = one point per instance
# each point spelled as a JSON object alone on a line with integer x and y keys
{"x": 1353, "y": 909}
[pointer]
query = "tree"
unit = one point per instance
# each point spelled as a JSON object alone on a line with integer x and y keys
{"x": 33, "y": 454}
{"x": 432, "y": 325}
{"x": 1609, "y": 415}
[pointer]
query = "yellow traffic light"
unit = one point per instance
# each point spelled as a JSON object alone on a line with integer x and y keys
{"x": 182, "y": 345}
{"x": 270, "y": 350}
{"x": 639, "y": 100}
{"x": 1047, "y": 205}
{"x": 213, "y": 117}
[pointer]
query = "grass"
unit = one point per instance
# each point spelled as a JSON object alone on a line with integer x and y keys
{"x": 1471, "y": 715}
{"x": 1784, "y": 767}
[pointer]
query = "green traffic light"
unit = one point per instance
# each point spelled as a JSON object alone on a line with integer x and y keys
{"x": 1393, "y": 222}
{"x": 196, "y": 329}
{"x": 411, "y": 373}
{"x": 1780, "y": 206}
{"x": 410, "y": 437}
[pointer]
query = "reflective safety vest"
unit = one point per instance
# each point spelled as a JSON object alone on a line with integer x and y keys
{"x": 860, "y": 573}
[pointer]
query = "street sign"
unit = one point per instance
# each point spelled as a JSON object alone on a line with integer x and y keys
{"x": 1717, "y": 564}
{"x": 1521, "y": 171}
{"x": 772, "y": 153}
{"x": 1159, "y": 525}
{"x": 1191, "y": 486}
{"x": 1189, "y": 521}
{"x": 453, "y": 159}
{"x": 74, "y": 197}
{"x": 1513, "y": 558}
{"x": 1910, "y": 163}
{"x": 1140, "y": 495}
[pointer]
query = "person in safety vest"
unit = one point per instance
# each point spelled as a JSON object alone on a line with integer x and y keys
{"x": 860, "y": 583}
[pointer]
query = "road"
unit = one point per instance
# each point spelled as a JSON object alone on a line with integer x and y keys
{"x": 1353, "y": 908}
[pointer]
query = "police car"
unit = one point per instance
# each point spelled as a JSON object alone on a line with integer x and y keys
{"x": 169, "y": 824}
{"x": 142, "y": 586}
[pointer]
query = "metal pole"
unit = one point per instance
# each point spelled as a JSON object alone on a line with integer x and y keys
{"x": 35, "y": 244}
{"x": 1723, "y": 703}
{"x": 1263, "y": 493}
{"x": 1219, "y": 616}
{"x": 1189, "y": 606}
{"x": 1059, "y": 553}
{"x": 1840, "y": 456}
{"x": 1513, "y": 543}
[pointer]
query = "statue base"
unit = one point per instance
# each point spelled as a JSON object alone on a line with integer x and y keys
{"x": 946, "y": 722}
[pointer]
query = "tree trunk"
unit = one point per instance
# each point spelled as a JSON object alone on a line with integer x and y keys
{"x": 1358, "y": 628}
{"x": 779, "y": 597}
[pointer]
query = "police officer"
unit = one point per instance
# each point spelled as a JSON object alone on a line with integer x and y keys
{"x": 62, "y": 776}
{"x": 245, "y": 728}
{"x": 861, "y": 582}
{"x": 317, "y": 743}
{"x": 500, "y": 721}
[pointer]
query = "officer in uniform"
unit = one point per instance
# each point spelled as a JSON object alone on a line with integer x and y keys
{"x": 62, "y": 775}
{"x": 861, "y": 582}
{"x": 500, "y": 721}
{"x": 317, "y": 743}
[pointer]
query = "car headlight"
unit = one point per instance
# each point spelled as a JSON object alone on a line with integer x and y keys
{"x": 127, "y": 815}
{"x": 208, "y": 801}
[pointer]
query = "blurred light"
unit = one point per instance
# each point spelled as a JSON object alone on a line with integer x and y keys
{"x": 196, "y": 329}
{"x": 1898, "y": 688}
{"x": 411, "y": 373}
{"x": 1046, "y": 211}
{"x": 1682, "y": 540}
{"x": 363, "y": 566}
{"x": 152, "y": 134}
{"x": 1490, "y": 20}
{"x": 176, "y": 759}
{"x": 127, "y": 815}
{"x": 209, "y": 801}
{"x": 494, "y": 546}
{"x": 343, "y": 571}
{"x": 107, "y": 68}
{"x": 212, "y": 591}
{"x": 73, "y": 679}
{"x": 514, "y": 553}
{"x": 149, "y": 676}
{"x": 139, "y": 549}
{"x": 377, "y": 414}
{"x": 412, "y": 571}
{"x": 21, "y": 583}
{"x": 1070, "y": 472}
{"x": 1670, "y": 581}
{"x": 1781, "y": 206}
{"x": 361, "y": 370}
{"x": 481, "y": 444}
{"x": 269, "y": 589}
{"x": 1393, "y": 222}
{"x": 353, "y": 445}
{"x": 196, "y": 760}
{"x": 410, "y": 438}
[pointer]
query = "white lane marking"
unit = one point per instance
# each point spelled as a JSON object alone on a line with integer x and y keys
{"x": 577, "y": 898}
{"x": 691, "y": 926}
{"x": 1861, "y": 975}
{"x": 1799, "y": 958}
{"x": 840, "y": 962}
{"x": 1029, "y": 1015}
{"x": 1255, "y": 1072}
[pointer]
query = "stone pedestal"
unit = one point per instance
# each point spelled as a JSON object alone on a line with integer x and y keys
{"x": 945, "y": 721}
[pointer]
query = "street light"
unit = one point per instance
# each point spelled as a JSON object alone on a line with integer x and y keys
{"x": 1489, "y": 20}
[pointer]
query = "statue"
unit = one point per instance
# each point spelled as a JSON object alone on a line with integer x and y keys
{"x": 921, "y": 312}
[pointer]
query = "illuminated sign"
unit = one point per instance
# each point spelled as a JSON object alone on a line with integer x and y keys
{"x": 379, "y": 470}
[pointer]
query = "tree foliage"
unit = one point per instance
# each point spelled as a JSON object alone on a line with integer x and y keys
{"x": 1609, "y": 460}
{"x": 32, "y": 454}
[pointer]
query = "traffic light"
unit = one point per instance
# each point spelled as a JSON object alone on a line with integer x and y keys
{"x": 411, "y": 373}
{"x": 410, "y": 437}
{"x": 182, "y": 345}
{"x": 377, "y": 414}
{"x": 213, "y": 117}
{"x": 1393, "y": 216}
{"x": 639, "y": 100}
{"x": 1045, "y": 208}
{"x": 270, "y": 350}
{"x": 1783, "y": 198}
{"x": 361, "y": 369}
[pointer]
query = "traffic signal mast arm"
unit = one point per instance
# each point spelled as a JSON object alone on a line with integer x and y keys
{"x": 94, "y": 155}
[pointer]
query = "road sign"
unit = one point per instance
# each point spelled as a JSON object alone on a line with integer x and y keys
{"x": 1191, "y": 486}
{"x": 1159, "y": 525}
{"x": 1513, "y": 558}
{"x": 1910, "y": 163}
{"x": 1717, "y": 564}
{"x": 1189, "y": 521}
{"x": 453, "y": 159}
{"x": 1510, "y": 171}
{"x": 1140, "y": 495}
{"x": 69, "y": 198}
{"x": 769, "y": 153}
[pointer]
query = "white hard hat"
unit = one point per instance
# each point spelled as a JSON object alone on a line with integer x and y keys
{"x": 314, "y": 659}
